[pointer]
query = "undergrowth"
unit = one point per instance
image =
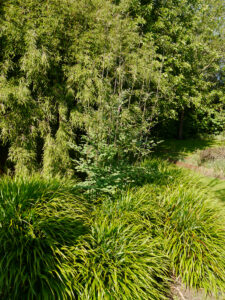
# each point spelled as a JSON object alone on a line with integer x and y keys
{"x": 57, "y": 243}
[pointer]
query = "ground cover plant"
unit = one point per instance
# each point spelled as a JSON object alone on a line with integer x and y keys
{"x": 128, "y": 245}
{"x": 118, "y": 260}
{"x": 38, "y": 219}
{"x": 190, "y": 223}
{"x": 194, "y": 235}
{"x": 43, "y": 254}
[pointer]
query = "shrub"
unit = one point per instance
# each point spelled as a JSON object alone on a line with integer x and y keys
{"x": 38, "y": 220}
{"x": 112, "y": 180}
{"x": 108, "y": 170}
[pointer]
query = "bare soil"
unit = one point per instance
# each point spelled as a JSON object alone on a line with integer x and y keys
{"x": 181, "y": 293}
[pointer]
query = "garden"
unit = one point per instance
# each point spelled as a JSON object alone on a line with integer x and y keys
{"x": 112, "y": 150}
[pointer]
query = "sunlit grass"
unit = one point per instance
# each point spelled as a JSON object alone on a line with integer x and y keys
{"x": 180, "y": 149}
{"x": 38, "y": 219}
{"x": 54, "y": 244}
{"x": 188, "y": 219}
{"x": 119, "y": 260}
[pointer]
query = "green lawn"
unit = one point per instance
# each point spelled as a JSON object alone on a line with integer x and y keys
{"x": 188, "y": 152}
{"x": 181, "y": 149}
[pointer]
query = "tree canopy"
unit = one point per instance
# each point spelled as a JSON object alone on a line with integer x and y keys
{"x": 98, "y": 78}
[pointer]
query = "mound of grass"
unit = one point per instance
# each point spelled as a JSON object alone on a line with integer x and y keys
{"x": 194, "y": 235}
{"x": 187, "y": 219}
{"x": 38, "y": 220}
{"x": 55, "y": 245}
{"x": 118, "y": 260}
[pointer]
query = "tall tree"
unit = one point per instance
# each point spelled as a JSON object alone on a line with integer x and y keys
{"x": 72, "y": 67}
{"x": 82, "y": 78}
{"x": 189, "y": 36}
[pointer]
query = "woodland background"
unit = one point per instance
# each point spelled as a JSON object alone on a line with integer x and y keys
{"x": 92, "y": 82}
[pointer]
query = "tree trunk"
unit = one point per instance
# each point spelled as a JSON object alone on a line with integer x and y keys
{"x": 181, "y": 123}
{"x": 4, "y": 149}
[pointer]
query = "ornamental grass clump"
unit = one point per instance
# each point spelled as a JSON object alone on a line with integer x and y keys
{"x": 56, "y": 245}
{"x": 118, "y": 260}
{"x": 39, "y": 219}
{"x": 194, "y": 235}
{"x": 191, "y": 225}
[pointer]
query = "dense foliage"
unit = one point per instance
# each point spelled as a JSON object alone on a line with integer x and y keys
{"x": 84, "y": 80}
{"x": 33, "y": 217}
{"x": 56, "y": 244}
{"x": 87, "y": 89}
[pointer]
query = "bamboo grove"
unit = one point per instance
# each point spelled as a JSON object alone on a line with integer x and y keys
{"x": 91, "y": 81}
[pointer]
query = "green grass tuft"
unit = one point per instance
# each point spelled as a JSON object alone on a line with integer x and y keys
{"x": 194, "y": 235}
{"x": 38, "y": 220}
{"x": 118, "y": 260}
{"x": 55, "y": 245}
{"x": 188, "y": 219}
{"x": 190, "y": 223}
